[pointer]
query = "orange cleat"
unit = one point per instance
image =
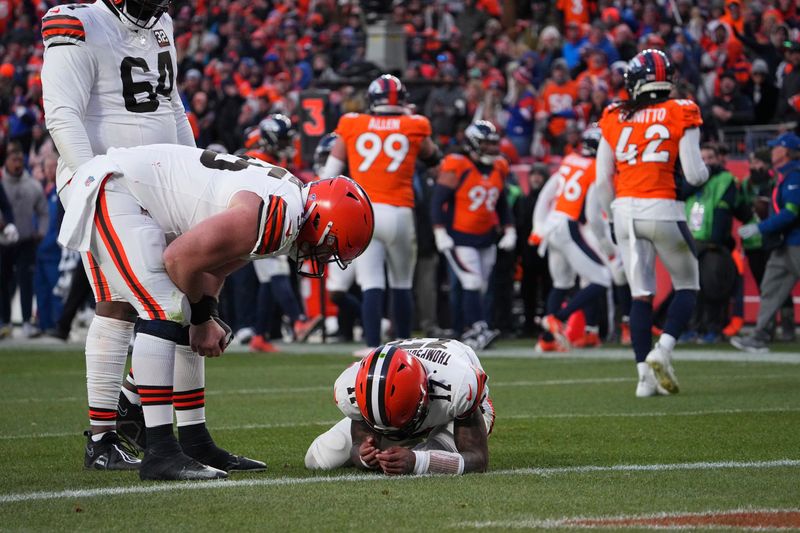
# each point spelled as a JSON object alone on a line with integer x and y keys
{"x": 590, "y": 339}
{"x": 556, "y": 328}
{"x": 304, "y": 328}
{"x": 625, "y": 334}
{"x": 733, "y": 327}
{"x": 544, "y": 346}
{"x": 259, "y": 344}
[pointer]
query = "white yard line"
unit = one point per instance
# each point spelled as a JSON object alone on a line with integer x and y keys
{"x": 272, "y": 482}
{"x": 281, "y": 425}
{"x": 574, "y": 522}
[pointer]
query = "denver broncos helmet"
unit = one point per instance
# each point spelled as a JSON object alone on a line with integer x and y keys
{"x": 323, "y": 150}
{"x": 277, "y": 133}
{"x": 386, "y": 94}
{"x": 650, "y": 71}
{"x": 590, "y": 140}
{"x": 392, "y": 392}
{"x": 482, "y": 141}
{"x": 141, "y": 13}
{"x": 337, "y": 224}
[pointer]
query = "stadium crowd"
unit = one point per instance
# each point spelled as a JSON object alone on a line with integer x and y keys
{"x": 542, "y": 74}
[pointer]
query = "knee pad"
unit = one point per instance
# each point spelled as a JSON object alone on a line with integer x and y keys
{"x": 164, "y": 329}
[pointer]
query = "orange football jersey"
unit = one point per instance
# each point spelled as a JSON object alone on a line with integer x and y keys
{"x": 646, "y": 146}
{"x": 558, "y": 99}
{"x": 474, "y": 207}
{"x": 381, "y": 153}
{"x": 578, "y": 175}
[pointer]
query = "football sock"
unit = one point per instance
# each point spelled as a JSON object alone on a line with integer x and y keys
{"x": 555, "y": 299}
{"x": 129, "y": 389}
{"x": 285, "y": 296}
{"x": 680, "y": 312}
{"x": 154, "y": 359}
{"x": 371, "y": 314}
{"x": 197, "y": 443}
{"x": 471, "y": 306}
{"x": 582, "y": 299}
{"x": 641, "y": 322}
{"x": 106, "y": 352}
{"x": 161, "y": 439}
{"x": 591, "y": 313}
{"x": 189, "y": 396}
{"x": 402, "y": 304}
{"x": 667, "y": 341}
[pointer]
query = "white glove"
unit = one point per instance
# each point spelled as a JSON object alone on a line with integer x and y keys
{"x": 509, "y": 239}
{"x": 748, "y": 230}
{"x": 10, "y": 234}
{"x": 443, "y": 240}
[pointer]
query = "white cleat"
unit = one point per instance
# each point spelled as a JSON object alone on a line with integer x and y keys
{"x": 648, "y": 385}
{"x": 660, "y": 360}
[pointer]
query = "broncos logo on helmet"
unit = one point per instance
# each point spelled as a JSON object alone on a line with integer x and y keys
{"x": 386, "y": 95}
{"x": 590, "y": 140}
{"x": 482, "y": 141}
{"x": 651, "y": 72}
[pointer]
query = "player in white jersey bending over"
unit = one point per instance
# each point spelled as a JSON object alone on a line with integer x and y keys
{"x": 404, "y": 391}
{"x": 216, "y": 212}
{"x": 108, "y": 80}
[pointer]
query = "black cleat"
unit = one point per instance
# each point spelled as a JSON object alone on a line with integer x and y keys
{"x": 130, "y": 423}
{"x": 238, "y": 463}
{"x": 109, "y": 454}
{"x": 169, "y": 463}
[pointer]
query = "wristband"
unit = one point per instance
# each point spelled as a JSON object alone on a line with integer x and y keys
{"x": 438, "y": 462}
{"x": 203, "y": 310}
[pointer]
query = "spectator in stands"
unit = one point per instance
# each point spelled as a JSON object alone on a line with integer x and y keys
{"x": 708, "y": 214}
{"x": 762, "y": 91}
{"x": 730, "y": 108}
{"x": 17, "y": 260}
{"x": 521, "y": 105}
{"x": 783, "y": 267}
{"x": 446, "y": 106}
{"x": 48, "y": 255}
{"x": 573, "y": 43}
{"x": 536, "y": 282}
{"x": 788, "y": 105}
{"x": 556, "y": 102}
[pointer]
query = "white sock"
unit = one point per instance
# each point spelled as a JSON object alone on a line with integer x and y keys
{"x": 154, "y": 360}
{"x": 106, "y": 352}
{"x": 642, "y": 369}
{"x": 189, "y": 396}
{"x": 667, "y": 341}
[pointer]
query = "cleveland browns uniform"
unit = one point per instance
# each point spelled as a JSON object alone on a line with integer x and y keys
{"x": 123, "y": 207}
{"x": 106, "y": 85}
{"x": 456, "y": 388}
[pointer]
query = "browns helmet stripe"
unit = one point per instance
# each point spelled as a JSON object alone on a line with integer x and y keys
{"x": 384, "y": 369}
{"x": 368, "y": 392}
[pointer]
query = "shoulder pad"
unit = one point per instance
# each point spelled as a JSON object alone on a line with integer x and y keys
{"x": 63, "y": 25}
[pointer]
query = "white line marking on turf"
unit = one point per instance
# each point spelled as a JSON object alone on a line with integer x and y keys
{"x": 281, "y": 425}
{"x": 575, "y": 522}
{"x": 272, "y": 482}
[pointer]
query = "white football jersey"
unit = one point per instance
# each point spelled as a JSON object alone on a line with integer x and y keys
{"x": 456, "y": 383}
{"x": 106, "y": 85}
{"x": 180, "y": 186}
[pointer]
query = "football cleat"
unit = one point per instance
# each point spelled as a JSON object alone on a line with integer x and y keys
{"x": 108, "y": 454}
{"x": 169, "y": 463}
{"x": 753, "y": 343}
{"x": 130, "y": 423}
{"x": 649, "y": 386}
{"x": 733, "y": 327}
{"x": 260, "y": 344}
{"x": 305, "y": 328}
{"x": 660, "y": 360}
{"x": 556, "y": 329}
{"x": 590, "y": 339}
{"x": 544, "y": 346}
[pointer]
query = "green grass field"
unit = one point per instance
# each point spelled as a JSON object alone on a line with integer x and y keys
{"x": 571, "y": 444}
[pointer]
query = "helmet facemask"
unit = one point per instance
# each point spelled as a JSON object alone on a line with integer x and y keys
{"x": 143, "y": 14}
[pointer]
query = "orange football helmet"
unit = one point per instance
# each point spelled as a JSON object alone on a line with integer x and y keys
{"x": 392, "y": 392}
{"x": 337, "y": 224}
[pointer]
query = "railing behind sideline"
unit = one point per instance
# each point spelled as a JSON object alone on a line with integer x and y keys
{"x": 741, "y": 140}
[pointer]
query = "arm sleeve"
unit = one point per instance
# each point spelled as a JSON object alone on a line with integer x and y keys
{"x": 692, "y": 164}
{"x": 68, "y": 75}
{"x": 604, "y": 171}
{"x": 441, "y": 196}
{"x": 544, "y": 201}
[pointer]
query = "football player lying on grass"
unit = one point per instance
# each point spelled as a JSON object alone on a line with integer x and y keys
{"x": 416, "y": 406}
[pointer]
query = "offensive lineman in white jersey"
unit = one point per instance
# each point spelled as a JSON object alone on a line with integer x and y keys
{"x": 217, "y": 212}
{"x": 109, "y": 81}
{"x": 434, "y": 389}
